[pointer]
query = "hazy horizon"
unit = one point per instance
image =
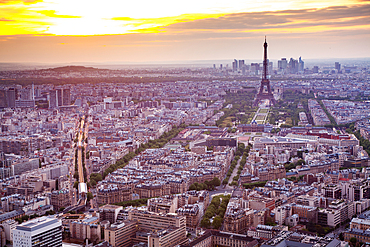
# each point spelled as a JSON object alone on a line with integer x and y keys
{"x": 175, "y": 64}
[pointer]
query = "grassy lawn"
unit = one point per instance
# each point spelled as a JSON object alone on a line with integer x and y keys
{"x": 227, "y": 121}
{"x": 259, "y": 117}
{"x": 263, "y": 111}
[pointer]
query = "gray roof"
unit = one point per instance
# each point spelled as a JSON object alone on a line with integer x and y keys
{"x": 11, "y": 214}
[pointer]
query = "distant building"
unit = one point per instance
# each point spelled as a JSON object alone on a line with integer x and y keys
{"x": 23, "y": 166}
{"x": 121, "y": 234}
{"x": 193, "y": 213}
{"x": 254, "y": 127}
{"x": 300, "y": 65}
{"x": 231, "y": 142}
{"x": 66, "y": 96}
{"x": 87, "y": 228}
{"x": 241, "y": 64}
{"x": 60, "y": 199}
{"x": 53, "y": 99}
{"x": 235, "y": 65}
{"x": 11, "y": 215}
{"x": 293, "y": 65}
{"x": 166, "y": 204}
{"x": 282, "y": 64}
{"x": 216, "y": 238}
{"x": 290, "y": 239}
{"x": 159, "y": 229}
{"x": 109, "y": 212}
{"x": 9, "y": 226}
{"x": 337, "y": 66}
{"x": 59, "y": 97}
{"x": 7, "y": 98}
{"x": 315, "y": 69}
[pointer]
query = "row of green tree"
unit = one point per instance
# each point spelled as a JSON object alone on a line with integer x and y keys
{"x": 294, "y": 179}
{"x": 134, "y": 203}
{"x": 365, "y": 143}
{"x": 242, "y": 163}
{"x": 233, "y": 164}
{"x": 291, "y": 165}
{"x": 207, "y": 185}
{"x": 215, "y": 210}
{"x": 95, "y": 178}
{"x": 158, "y": 143}
{"x": 331, "y": 118}
{"x": 255, "y": 184}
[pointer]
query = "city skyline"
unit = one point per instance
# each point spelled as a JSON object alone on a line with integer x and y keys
{"x": 52, "y": 32}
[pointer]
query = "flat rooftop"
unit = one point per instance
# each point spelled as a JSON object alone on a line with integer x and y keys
{"x": 37, "y": 223}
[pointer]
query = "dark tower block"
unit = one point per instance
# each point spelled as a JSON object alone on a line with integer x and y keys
{"x": 265, "y": 83}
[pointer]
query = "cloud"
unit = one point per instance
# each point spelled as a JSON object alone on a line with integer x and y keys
{"x": 3, "y": 19}
{"x": 52, "y": 13}
{"x": 19, "y": 1}
{"x": 336, "y": 16}
{"x": 122, "y": 19}
{"x": 167, "y": 46}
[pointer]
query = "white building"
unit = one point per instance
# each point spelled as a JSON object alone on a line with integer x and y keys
{"x": 9, "y": 226}
{"x": 281, "y": 213}
{"x": 44, "y": 231}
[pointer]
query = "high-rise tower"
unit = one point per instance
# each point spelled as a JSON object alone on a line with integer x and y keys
{"x": 265, "y": 82}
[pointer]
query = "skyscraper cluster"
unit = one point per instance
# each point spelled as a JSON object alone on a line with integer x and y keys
{"x": 59, "y": 97}
{"x": 293, "y": 66}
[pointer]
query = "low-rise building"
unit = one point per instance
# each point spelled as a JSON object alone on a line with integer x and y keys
{"x": 60, "y": 199}
{"x": 109, "y": 212}
{"x": 121, "y": 234}
{"x": 216, "y": 238}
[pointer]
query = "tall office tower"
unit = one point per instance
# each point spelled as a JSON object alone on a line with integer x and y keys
{"x": 7, "y": 98}
{"x": 60, "y": 96}
{"x": 269, "y": 66}
{"x": 5, "y": 167}
{"x": 300, "y": 64}
{"x": 37, "y": 92}
{"x": 10, "y": 98}
{"x": 220, "y": 66}
{"x": 241, "y": 64}
{"x": 315, "y": 69}
{"x": 265, "y": 82}
{"x": 282, "y": 64}
{"x": 44, "y": 231}
{"x": 66, "y": 96}
{"x": 33, "y": 92}
{"x": 235, "y": 65}
{"x": 53, "y": 99}
{"x": 337, "y": 66}
{"x": 255, "y": 67}
{"x": 293, "y": 66}
{"x": 214, "y": 66}
{"x": 25, "y": 94}
{"x": 3, "y": 103}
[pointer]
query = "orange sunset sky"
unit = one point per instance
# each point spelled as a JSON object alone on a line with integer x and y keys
{"x": 53, "y": 31}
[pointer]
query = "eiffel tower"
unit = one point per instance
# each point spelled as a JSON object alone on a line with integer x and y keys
{"x": 262, "y": 95}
